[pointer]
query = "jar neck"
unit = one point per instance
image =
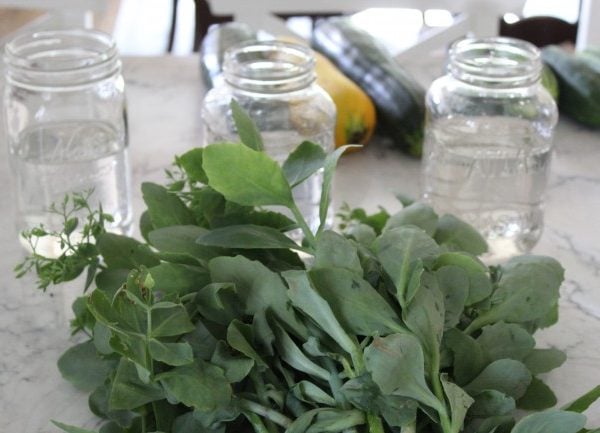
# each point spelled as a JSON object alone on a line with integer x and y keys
{"x": 501, "y": 63}
{"x": 269, "y": 67}
{"x": 57, "y": 59}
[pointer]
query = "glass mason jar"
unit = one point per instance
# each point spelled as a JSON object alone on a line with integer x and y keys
{"x": 275, "y": 83}
{"x": 488, "y": 142}
{"x": 66, "y": 127}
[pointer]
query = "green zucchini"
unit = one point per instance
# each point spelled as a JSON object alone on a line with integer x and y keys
{"x": 579, "y": 85}
{"x": 399, "y": 99}
{"x": 218, "y": 39}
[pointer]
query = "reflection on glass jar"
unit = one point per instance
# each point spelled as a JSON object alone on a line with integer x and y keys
{"x": 275, "y": 83}
{"x": 66, "y": 124}
{"x": 488, "y": 142}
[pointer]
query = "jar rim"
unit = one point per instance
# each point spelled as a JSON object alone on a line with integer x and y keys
{"x": 495, "y": 61}
{"x": 61, "y": 58}
{"x": 269, "y": 66}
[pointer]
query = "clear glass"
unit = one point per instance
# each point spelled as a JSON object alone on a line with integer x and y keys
{"x": 488, "y": 142}
{"x": 275, "y": 83}
{"x": 66, "y": 126}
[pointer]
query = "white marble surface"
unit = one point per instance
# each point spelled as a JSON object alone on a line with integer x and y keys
{"x": 164, "y": 107}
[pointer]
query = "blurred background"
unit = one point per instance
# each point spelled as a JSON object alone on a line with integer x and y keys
{"x": 155, "y": 27}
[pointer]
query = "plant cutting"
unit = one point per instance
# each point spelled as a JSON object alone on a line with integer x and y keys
{"x": 219, "y": 322}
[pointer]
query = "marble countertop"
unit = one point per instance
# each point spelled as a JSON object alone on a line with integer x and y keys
{"x": 164, "y": 98}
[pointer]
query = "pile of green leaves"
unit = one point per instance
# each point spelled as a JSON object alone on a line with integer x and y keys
{"x": 219, "y": 322}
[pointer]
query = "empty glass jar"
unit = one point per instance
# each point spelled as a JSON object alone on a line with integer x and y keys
{"x": 275, "y": 83}
{"x": 66, "y": 126}
{"x": 488, "y": 142}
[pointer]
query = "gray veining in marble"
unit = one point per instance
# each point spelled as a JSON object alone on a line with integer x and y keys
{"x": 164, "y": 96}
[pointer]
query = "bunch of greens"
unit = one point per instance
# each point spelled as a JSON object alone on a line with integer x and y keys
{"x": 215, "y": 324}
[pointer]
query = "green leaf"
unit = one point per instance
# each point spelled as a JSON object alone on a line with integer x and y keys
{"x": 236, "y": 368}
{"x": 258, "y": 288}
{"x": 335, "y": 251}
{"x": 171, "y": 353}
{"x": 527, "y": 290}
{"x": 83, "y": 367}
{"x": 128, "y": 391}
{"x": 201, "y": 385}
{"x": 246, "y": 176}
{"x": 133, "y": 348}
{"x": 459, "y": 401}
{"x": 219, "y": 302}
{"x": 70, "y": 428}
{"x": 239, "y": 337}
{"x": 552, "y": 421}
{"x": 416, "y": 214}
{"x": 493, "y": 424}
{"x": 491, "y": 403}
{"x": 468, "y": 356}
{"x": 505, "y": 340}
{"x": 424, "y": 316}
{"x": 124, "y": 252}
{"x": 187, "y": 423}
{"x": 120, "y": 314}
{"x": 328, "y": 171}
{"x": 537, "y": 397}
{"x": 191, "y": 162}
{"x": 396, "y": 365}
{"x": 202, "y": 341}
{"x": 304, "y": 161}
{"x": 453, "y": 282}
{"x": 247, "y": 130}
{"x": 335, "y": 420}
{"x": 505, "y": 375}
{"x": 70, "y": 225}
{"x": 458, "y": 235}
{"x": 182, "y": 239}
{"x": 309, "y": 301}
{"x": 358, "y": 307}
{"x": 293, "y": 355}
{"x": 101, "y": 338}
{"x": 247, "y": 237}
{"x": 170, "y": 322}
{"x": 308, "y": 392}
{"x": 479, "y": 286}
{"x": 110, "y": 280}
{"x": 174, "y": 280}
{"x": 584, "y": 402}
{"x": 399, "y": 250}
{"x": 165, "y": 208}
{"x": 98, "y": 403}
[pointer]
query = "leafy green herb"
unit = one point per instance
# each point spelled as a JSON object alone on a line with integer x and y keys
{"x": 215, "y": 325}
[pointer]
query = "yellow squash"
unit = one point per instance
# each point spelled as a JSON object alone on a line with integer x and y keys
{"x": 355, "y": 111}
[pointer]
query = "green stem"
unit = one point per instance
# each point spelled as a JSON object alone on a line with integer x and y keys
{"x": 439, "y": 393}
{"x": 375, "y": 424}
{"x": 335, "y": 384}
{"x": 308, "y": 234}
{"x": 266, "y": 412}
{"x": 261, "y": 392}
{"x": 256, "y": 422}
